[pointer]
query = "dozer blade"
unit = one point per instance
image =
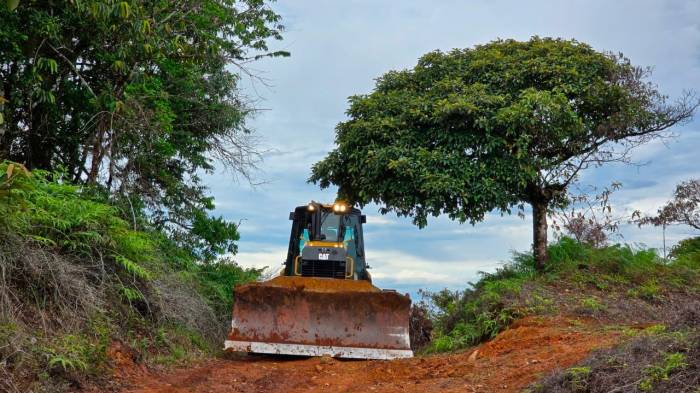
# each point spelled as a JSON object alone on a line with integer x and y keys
{"x": 316, "y": 317}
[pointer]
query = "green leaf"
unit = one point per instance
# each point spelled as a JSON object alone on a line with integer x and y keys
{"x": 145, "y": 26}
{"x": 124, "y": 9}
{"x": 119, "y": 66}
{"x": 12, "y": 4}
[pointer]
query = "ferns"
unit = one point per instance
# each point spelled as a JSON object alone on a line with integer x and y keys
{"x": 131, "y": 294}
{"x": 56, "y": 215}
{"x": 132, "y": 268}
{"x": 62, "y": 217}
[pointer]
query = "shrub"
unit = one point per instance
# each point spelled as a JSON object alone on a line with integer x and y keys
{"x": 660, "y": 372}
{"x": 465, "y": 318}
{"x": 420, "y": 326}
{"x": 592, "y": 305}
{"x": 687, "y": 253}
{"x": 686, "y": 247}
{"x": 578, "y": 378}
{"x": 650, "y": 290}
{"x": 217, "y": 279}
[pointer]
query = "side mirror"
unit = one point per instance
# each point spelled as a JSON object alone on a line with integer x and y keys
{"x": 363, "y": 219}
{"x": 291, "y": 216}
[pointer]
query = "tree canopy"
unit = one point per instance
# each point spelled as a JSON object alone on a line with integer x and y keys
{"x": 137, "y": 98}
{"x": 493, "y": 127}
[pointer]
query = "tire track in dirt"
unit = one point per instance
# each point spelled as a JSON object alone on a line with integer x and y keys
{"x": 515, "y": 358}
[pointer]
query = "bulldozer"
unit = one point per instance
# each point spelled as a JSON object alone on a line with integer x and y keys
{"x": 323, "y": 302}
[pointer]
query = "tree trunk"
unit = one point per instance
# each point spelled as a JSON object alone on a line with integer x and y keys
{"x": 39, "y": 146}
{"x": 539, "y": 234}
{"x": 97, "y": 152}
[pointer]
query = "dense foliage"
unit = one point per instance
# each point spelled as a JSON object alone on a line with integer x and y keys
{"x": 138, "y": 97}
{"x": 617, "y": 280}
{"x": 493, "y": 127}
{"x": 76, "y": 277}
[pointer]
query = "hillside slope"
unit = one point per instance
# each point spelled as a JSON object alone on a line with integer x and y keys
{"x": 77, "y": 281}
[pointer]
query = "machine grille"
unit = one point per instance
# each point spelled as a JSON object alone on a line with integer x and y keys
{"x": 330, "y": 269}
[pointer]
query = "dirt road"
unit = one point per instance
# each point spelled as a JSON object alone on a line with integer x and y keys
{"x": 508, "y": 363}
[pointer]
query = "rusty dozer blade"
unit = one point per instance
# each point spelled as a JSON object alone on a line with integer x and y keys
{"x": 320, "y": 317}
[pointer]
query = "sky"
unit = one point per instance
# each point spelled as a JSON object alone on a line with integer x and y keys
{"x": 339, "y": 48}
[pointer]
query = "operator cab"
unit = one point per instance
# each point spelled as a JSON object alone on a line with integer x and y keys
{"x": 326, "y": 241}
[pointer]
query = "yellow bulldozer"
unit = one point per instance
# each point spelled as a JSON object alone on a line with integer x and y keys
{"x": 323, "y": 302}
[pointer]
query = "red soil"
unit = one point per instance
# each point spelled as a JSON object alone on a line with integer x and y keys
{"x": 508, "y": 363}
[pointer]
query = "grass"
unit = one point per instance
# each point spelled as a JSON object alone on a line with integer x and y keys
{"x": 649, "y": 290}
{"x": 656, "y": 373}
{"x": 578, "y": 378}
{"x": 592, "y": 305}
{"x": 471, "y": 316}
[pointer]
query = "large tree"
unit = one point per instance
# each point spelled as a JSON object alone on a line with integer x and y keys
{"x": 135, "y": 97}
{"x": 494, "y": 127}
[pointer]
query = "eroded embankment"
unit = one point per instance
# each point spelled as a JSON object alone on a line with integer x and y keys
{"x": 516, "y": 357}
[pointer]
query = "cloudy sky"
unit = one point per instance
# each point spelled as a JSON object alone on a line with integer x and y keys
{"x": 338, "y": 48}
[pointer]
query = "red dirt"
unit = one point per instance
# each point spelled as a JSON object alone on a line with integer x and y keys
{"x": 508, "y": 363}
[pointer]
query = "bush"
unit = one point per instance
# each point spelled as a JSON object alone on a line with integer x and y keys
{"x": 686, "y": 247}
{"x": 216, "y": 281}
{"x": 420, "y": 326}
{"x": 465, "y": 318}
{"x": 69, "y": 259}
{"x": 687, "y": 253}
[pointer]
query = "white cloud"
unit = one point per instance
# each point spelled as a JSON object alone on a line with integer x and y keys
{"x": 394, "y": 266}
{"x": 271, "y": 258}
{"x": 377, "y": 220}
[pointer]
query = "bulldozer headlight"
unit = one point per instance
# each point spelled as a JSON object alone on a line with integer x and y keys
{"x": 339, "y": 207}
{"x": 311, "y": 207}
